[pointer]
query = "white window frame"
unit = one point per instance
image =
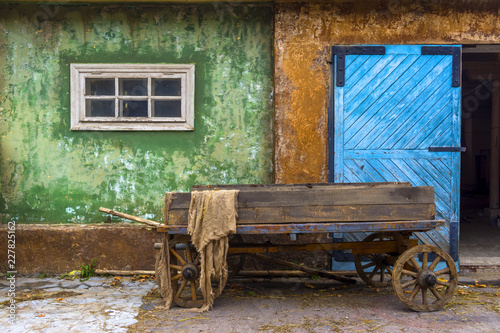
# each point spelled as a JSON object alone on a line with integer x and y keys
{"x": 80, "y": 72}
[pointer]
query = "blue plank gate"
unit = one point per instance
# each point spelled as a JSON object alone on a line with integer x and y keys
{"x": 395, "y": 116}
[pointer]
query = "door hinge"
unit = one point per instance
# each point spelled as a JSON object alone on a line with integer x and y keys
{"x": 455, "y": 52}
{"x": 342, "y": 51}
{"x": 454, "y": 235}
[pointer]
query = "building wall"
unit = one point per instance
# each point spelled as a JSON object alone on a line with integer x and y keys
{"x": 50, "y": 174}
{"x": 304, "y": 32}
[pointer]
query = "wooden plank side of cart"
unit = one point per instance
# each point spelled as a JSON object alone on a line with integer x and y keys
{"x": 304, "y": 205}
{"x": 293, "y": 228}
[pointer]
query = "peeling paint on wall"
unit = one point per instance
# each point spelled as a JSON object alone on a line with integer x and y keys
{"x": 51, "y": 174}
{"x": 304, "y": 31}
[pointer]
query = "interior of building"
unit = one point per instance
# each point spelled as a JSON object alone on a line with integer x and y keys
{"x": 480, "y": 187}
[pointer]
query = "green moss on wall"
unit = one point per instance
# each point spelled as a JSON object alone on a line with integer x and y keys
{"x": 54, "y": 175}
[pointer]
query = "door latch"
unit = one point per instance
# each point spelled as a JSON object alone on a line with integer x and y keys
{"x": 447, "y": 149}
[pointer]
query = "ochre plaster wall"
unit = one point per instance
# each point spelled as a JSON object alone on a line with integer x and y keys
{"x": 50, "y": 174}
{"x": 304, "y": 32}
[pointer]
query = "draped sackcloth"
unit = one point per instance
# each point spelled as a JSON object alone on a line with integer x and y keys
{"x": 212, "y": 217}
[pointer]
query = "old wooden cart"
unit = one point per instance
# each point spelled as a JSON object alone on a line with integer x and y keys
{"x": 423, "y": 276}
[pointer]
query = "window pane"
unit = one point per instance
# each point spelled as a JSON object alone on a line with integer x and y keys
{"x": 100, "y": 108}
{"x": 134, "y": 108}
{"x": 100, "y": 87}
{"x": 133, "y": 87}
{"x": 166, "y": 108}
{"x": 166, "y": 87}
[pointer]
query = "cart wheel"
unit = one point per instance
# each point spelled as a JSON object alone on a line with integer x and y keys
{"x": 435, "y": 286}
{"x": 185, "y": 274}
{"x": 378, "y": 263}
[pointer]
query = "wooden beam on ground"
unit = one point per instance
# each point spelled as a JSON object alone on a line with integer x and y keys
{"x": 124, "y": 273}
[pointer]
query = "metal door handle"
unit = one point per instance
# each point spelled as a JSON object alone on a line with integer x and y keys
{"x": 447, "y": 149}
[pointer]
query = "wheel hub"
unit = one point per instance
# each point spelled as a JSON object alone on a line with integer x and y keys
{"x": 190, "y": 272}
{"x": 427, "y": 279}
{"x": 381, "y": 260}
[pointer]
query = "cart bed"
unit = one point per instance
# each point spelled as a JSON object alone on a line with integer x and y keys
{"x": 315, "y": 204}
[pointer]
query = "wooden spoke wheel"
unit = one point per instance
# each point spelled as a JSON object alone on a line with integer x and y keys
{"x": 185, "y": 273}
{"x": 423, "y": 287}
{"x": 378, "y": 271}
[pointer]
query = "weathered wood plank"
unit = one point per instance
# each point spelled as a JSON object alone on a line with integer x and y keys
{"x": 308, "y": 214}
{"x": 364, "y": 101}
{"x": 324, "y": 196}
{"x": 180, "y": 200}
{"x": 280, "y": 187}
{"x": 390, "y": 109}
{"x": 371, "y": 226}
{"x": 349, "y": 196}
{"x": 356, "y": 247}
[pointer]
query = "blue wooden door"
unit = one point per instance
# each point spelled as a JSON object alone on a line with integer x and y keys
{"x": 396, "y": 117}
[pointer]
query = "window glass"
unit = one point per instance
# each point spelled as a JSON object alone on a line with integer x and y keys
{"x": 134, "y": 108}
{"x": 133, "y": 87}
{"x": 166, "y": 87}
{"x": 166, "y": 109}
{"x": 100, "y": 87}
{"x": 100, "y": 108}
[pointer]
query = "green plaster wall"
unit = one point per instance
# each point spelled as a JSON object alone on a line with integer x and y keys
{"x": 50, "y": 174}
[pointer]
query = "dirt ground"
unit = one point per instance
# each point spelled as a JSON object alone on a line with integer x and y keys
{"x": 305, "y": 305}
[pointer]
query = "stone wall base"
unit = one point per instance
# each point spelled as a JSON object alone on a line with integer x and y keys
{"x": 55, "y": 249}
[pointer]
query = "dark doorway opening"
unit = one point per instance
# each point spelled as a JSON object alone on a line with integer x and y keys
{"x": 480, "y": 188}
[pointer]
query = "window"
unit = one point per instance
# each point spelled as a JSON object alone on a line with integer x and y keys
{"x": 135, "y": 97}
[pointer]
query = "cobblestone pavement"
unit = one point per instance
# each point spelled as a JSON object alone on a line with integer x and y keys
{"x": 52, "y": 305}
{"x": 107, "y": 304}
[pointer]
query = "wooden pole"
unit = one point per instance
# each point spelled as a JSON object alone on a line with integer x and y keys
{"x": 309, "y": 270}
{"x": 255, "y": 274}
{"x": 281, "y": 273}
{"x": 124, "y": 273}
{"x": 130, "y": 217}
